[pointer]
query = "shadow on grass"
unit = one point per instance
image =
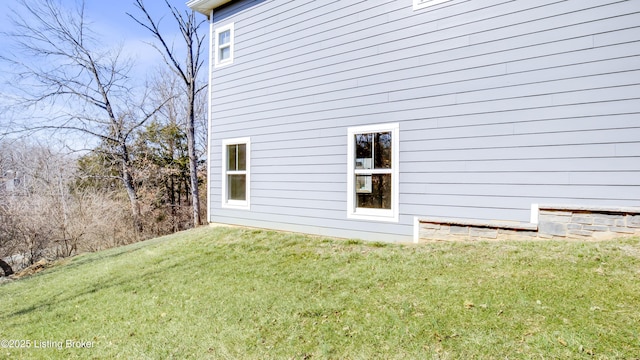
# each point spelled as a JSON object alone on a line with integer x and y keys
{"x": 59, "y": 299}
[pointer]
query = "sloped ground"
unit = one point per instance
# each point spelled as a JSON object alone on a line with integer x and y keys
{"x": 242, "y": 293}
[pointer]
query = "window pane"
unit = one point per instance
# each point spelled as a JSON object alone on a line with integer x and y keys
{"x": 364, "y": 150}
{"x": 237, "y": 185}
{"x": 363, "y": 184}
{"x": 224, "y": 37}
{"x": 231, "y": 157}
{"x": 383, "y": 150}
{"x": 379, "y": 196}
{"x": 225, "y": 53}
{"x": 242, "y": 157}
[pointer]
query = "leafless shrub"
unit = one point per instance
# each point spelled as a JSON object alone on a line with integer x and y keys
{"x": 43, "y": 216}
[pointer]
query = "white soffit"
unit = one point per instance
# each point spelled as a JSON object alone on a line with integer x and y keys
{"x": 205, "y": 6}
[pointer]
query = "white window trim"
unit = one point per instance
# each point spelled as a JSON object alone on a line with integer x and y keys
{"x": 388, "y": 215}
{"x": 217, "y": 45}
{"x": 235, "y": 204}
{"x": 421, "y": 4}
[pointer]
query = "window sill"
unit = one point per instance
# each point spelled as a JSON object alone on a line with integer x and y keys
{"x": 239, "y": 205}
{"x": 373, "y": 215}
{"x": 223, "y": 64}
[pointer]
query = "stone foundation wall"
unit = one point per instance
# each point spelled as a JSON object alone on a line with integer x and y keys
{"x": 585, "y": 222}
{"x": 554, "y": 221}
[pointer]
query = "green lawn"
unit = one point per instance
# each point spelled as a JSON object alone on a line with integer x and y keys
{"x": 240, "y": 293}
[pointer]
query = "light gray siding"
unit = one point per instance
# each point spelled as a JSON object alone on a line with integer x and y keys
{"x": 501, "y": 104}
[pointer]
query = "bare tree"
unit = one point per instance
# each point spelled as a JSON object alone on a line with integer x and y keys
{"x": 64, "y": 67}
{"x": 188, "y": 71}
{"x": 32, "y": 207}
{"x": 46, "y": 213}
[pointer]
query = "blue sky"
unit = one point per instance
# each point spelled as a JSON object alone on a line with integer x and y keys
{"x": 114, "y": 28}
{"x": 110, "y": 21}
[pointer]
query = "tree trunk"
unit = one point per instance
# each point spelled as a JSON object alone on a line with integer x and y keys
{"x": 193, "y": 166}
{"x": 6, "y": 268}
{"x": 193, "y": 175}
{"x": 133, "y": 199}
{"x": 127, "y": 180}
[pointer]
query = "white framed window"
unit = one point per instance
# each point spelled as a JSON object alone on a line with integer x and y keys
{"x": 373, "y": 172}
{"x": 224, "y": 45}
{"x": 419, "y": 4}
{"x": 236, "y": 173}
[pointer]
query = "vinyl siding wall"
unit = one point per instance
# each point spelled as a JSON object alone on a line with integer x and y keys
{"x": 501, "y": 104}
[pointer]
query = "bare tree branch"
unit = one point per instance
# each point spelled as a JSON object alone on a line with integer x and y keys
{"x": 61, "y": 64}
{"x": 188, "y": 71}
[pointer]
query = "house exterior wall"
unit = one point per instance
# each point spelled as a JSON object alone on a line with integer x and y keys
{"x": 501, "y": 104}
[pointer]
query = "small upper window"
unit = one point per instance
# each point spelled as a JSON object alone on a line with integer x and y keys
{"x": 419, "y": 4}
{"x": 224, "y": 45}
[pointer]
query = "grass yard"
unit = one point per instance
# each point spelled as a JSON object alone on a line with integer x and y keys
{"x": 249, "y": 294}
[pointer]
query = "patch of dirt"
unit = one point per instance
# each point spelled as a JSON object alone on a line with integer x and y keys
{"x": 33, "y": 269}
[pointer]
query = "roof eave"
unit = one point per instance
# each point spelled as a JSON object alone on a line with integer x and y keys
{"x": 205, "y": 6}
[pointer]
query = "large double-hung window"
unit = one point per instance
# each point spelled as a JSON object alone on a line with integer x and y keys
{"x": 373, "y": 172}
{"x": 236, "y": 173}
